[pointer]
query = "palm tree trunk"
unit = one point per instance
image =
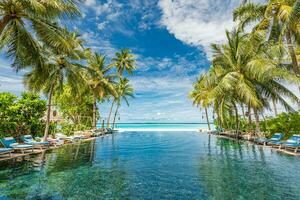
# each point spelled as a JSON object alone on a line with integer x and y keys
{"x": 206, "y": 114}
{"x": 257, "y": 126}
{"x": 274, "y": 107}
{"x": 94, "y": 111}
{"x": 292, "y": 52}
{"x": 111, "y": 108}
{"x": 46, "y": 133}
{"x": 3, "y": 22}
{"x": 236, "y": 120}
{"x": 115, "y": 116}
{"x": 243, "y": 111}
{"x": 219, "y": 120}
{"x": 249, "y": 115}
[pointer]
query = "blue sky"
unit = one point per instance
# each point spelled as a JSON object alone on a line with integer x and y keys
{"x": 170, "y": 40}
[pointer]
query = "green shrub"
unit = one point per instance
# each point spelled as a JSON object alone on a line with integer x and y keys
{"x": 287, "y": 123}
{"x": 19, "y": 116}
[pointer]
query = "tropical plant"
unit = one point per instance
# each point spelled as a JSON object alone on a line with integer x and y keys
{"x": 100, "y": 80}
{"x": 279, "y": 18}
{"x": 60, "y": 67}
{"x": 26, "y": 23}
{"x": 124, "y": 91}
{"x": 243, "y": 72}
{"x": 124, "y": 61}
{"x": 21, "y": 115}
{"x": 287, "y": 123}
{"x": 76, "y": 112}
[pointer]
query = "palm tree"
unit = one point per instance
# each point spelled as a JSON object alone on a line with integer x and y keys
{"x": 124, "y": 90}
{"x": 278, "y": 18}
{"x": 243, "y": 72}
{"x": 25, "y": 22}
{"x": 199, "y": 94}
{"x": 123, "y": 61}
{"x": 99, "y": 79}
{"x": 59, "y": 68}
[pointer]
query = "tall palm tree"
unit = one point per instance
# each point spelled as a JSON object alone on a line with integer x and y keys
{"x": 199, "y": 94}
{"x": 124, "y": 90}
{"x": 25, "y": 22}
{"x": 243, "y": 72}
{"x": 278, "y": 18}
{"x": 99, "y": 79}
{"x": 124, "y": 61}
{"x": 59, "y": 68}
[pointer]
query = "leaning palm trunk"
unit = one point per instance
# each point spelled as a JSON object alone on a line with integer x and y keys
{"x": 94, "y": 111}
{"x": 48, "y": 112}
{"x": 292, "y": 52}
{"x": 236, "y": 120}
{"x": 249, "y": 115}
{"x": 257, "y": 126}
{"x": 113, "y": 126}
{"x": 111, "y": 108}
{"x": 243, "y": 111}
{"x": 206, "y": 114}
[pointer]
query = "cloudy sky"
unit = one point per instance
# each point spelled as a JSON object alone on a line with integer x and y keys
{"x": 170, "y": 39}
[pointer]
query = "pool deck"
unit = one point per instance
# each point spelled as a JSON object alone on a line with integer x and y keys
{"x": 17, "y": 156}
{"x": 267, "y": 146}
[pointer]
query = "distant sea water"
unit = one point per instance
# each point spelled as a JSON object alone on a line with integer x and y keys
{"x": 162, "y": 126}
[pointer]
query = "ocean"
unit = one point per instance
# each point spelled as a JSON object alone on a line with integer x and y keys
{"x": 161, "y": 126}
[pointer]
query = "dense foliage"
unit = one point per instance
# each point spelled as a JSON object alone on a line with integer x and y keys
{"x": 287, "y": 123}
{"x": 253, "y": 70}
{"x": 33, "y": 35}
{"x": 21, "y": 115}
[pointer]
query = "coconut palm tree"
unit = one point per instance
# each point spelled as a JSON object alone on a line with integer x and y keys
{"x": 58, "y": 69}
{"x": 99, "y": 79}
{"x": 243, "y": 72}
{"x": 25, "y": 22}
{"x": 124, "y": 61}
{"x": 278, "y": 18}
{"x": 124, "y": 90}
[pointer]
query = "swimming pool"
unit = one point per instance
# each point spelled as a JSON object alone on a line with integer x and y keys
{"x": 154, "y": 165}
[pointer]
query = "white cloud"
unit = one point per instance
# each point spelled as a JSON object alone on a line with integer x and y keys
{"x": 10, "y": 81}
{"x": 198, "y": 22}
{"x": 109, "y": 7}
{"x": 101, "y": 25}
{"x": 90, "y": 2}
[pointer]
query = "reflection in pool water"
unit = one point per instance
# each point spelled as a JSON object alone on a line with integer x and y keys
{"x": 157, "y": 165}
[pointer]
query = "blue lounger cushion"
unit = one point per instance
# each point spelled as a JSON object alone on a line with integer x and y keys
{"x": 10, "y": 142}
{"x": 293, "y": 141}
{"x": 29, "y": 140}
{"x": 275, "y": 139}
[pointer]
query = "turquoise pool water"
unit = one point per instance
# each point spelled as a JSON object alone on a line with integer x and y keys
{"x": 154, "y": 165}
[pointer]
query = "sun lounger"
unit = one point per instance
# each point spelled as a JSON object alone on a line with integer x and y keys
{"x": 10, "y": 142}
{"x": 4, "y": 151}
{"x": 275, "y": 139}
{"x": 68, "y": 138}
{"x": 27, "y": 139}
{"x": 292, "y": 143}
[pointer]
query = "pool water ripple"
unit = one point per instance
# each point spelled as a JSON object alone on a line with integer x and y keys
{"x": 154, "y": 165}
